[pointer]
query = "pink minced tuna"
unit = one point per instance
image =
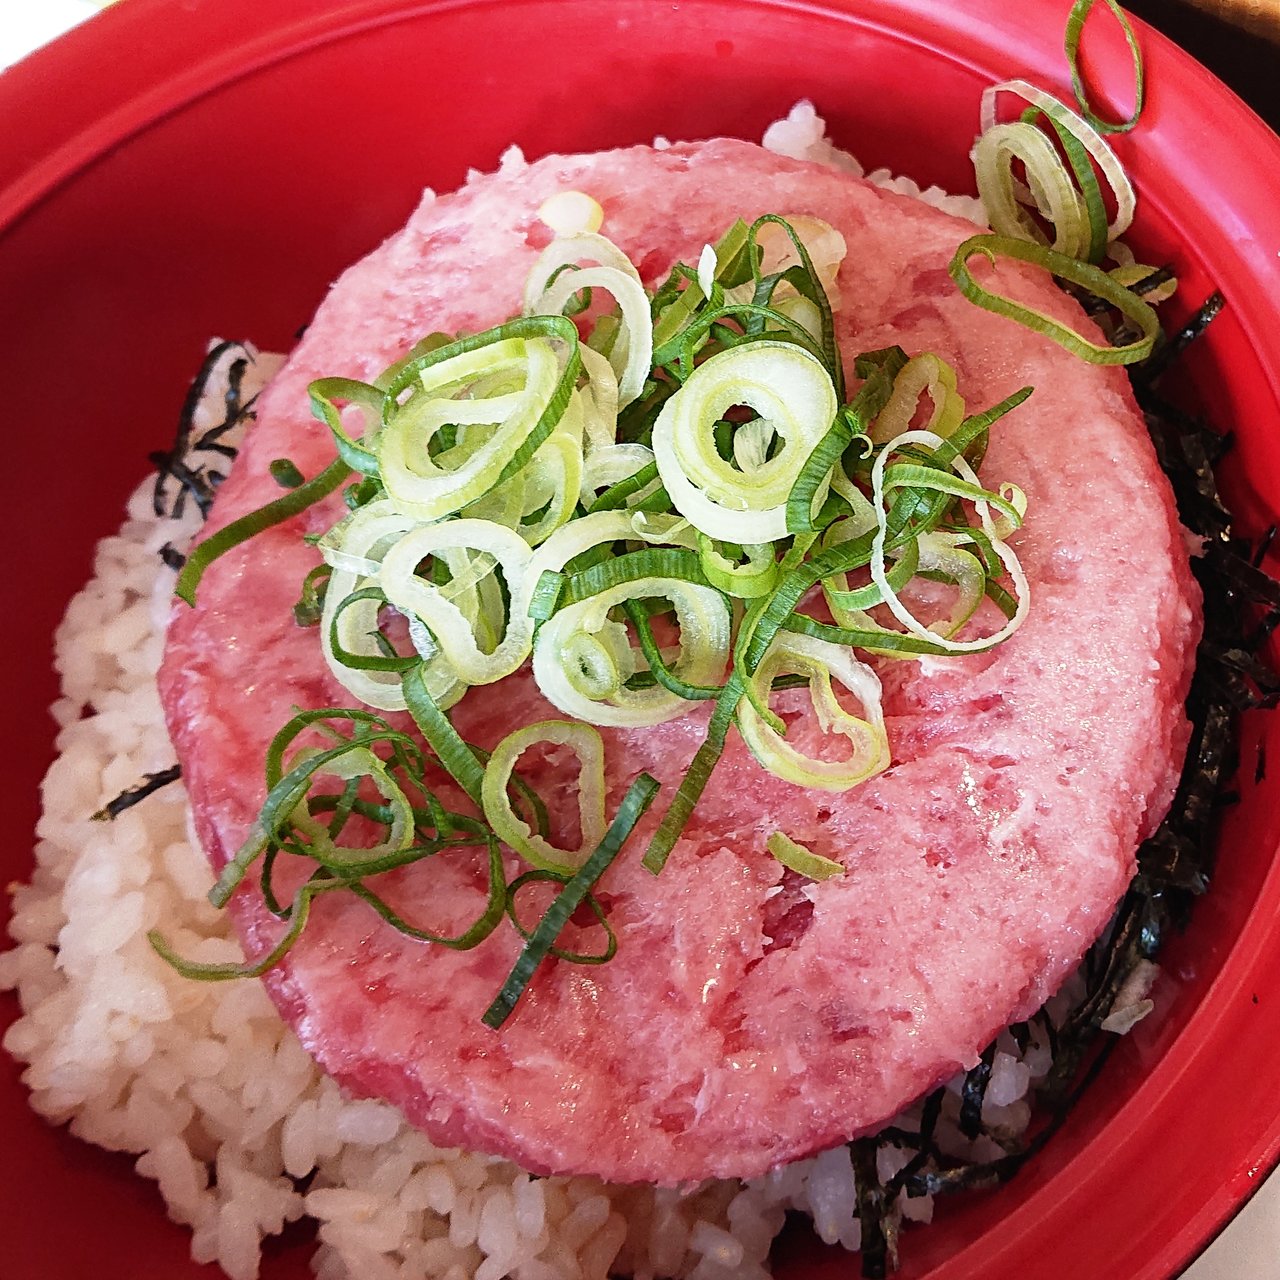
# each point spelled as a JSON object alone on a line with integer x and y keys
{"x": 748, "y": 1018}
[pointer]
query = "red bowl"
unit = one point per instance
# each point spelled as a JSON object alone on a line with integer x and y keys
{"x": 175, "y": 171}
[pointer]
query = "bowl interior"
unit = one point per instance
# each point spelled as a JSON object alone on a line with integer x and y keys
{"x": 258, "y": 154}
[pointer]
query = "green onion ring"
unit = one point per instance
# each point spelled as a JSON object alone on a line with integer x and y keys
{"x": 638, "y": 798}
{"x": 1089, "y": 277}
{"x": 1076, "y": 20}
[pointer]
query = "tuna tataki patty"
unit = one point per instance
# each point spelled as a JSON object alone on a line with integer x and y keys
{"x": 748, "y": 1019}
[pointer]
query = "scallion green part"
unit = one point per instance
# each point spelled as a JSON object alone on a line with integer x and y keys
{"x": 226, "y": 971}
{"x": 696, "y": 777}
{"x": 285, "y": 473}
{"x": 1090, "y": 278}
{"x": 795, "y": 857}
{"x": 637, "y": 800}
{"x": 593, "y": 905}
{"x": 1076, "y": 21}
{"x": 436, "y": 727}
{"x": 249, "y": 526}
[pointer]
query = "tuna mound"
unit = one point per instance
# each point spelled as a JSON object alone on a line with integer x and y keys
{"x": 749, "y": 1018}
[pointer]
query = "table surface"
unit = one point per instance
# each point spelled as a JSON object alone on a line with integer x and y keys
{"x": 1249, "y": 1248}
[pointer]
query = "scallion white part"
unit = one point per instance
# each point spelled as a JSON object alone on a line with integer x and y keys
{"x": 452, "y": 630}
{"x": 1010, "y": 506}
{"x": 1084, "y": 133}
{"x": 559, "y": 655}
{"x": 511, "y": 829}
{"x": 818, "y": 661}
{"x": 571, "y": 212}
{"x": 522, "y": 376}
{"x": 795, "y": 403}
{"x": 549, "y": 286}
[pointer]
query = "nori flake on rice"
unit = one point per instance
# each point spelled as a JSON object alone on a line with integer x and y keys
{"x": 177, "y": 464}
{"x": 150, "y": 783}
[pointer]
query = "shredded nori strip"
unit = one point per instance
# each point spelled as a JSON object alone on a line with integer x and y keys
{"x": 150, "y": 783}
{"x": 1162, "y": 359}
{"x": 973, "y": 1093}
{"x": 879, "y": 1223}
{"x": 172, "y": 557}
{"x": 177, "y": 464}
{"x": 1233, "y": 674}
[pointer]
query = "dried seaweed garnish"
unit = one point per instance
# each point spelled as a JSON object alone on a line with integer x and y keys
{"x": 192, "y": 478}
{"x": 879, "y": 1224}
{"x": 1233, "y": 673}
{"x": 151, "y": 782}
{"x": 1162, "y": 360}
{"x": 172, "y": 557}
{"x": 1095, "y": 306}
{"x": 973, "y": 1093}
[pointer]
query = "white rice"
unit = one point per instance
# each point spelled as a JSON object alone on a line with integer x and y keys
{"x": 213, "y": 1093}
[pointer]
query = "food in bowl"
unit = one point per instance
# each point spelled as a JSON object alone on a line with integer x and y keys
{"x": 318, "y": 1200}
{"x": 749, "y": 1017}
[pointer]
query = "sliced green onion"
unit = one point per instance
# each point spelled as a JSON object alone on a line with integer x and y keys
{"x": 436, "y": 727}
{"x": 352, "y": 763}
{"x": 731, "y": 252}
{"x": 474, "y": 934}
{"x": 702, "y": 615}
{"x": 513, "y": 831}
{"x": 657, "y": 662}
{"x": 1076, "y": 134}
{"x": 924, "y": 374}
{"x": 1088, "y": 277}
{"x": 517, "y": 380}
{"x": 880, "y": 369}
{"x": 355, "y": 453}
{"x": 849, "y": 607}
{"x": 808, "y": 282}
{"x": 559, "y": 953}
{"x": 285, "y": 473}
{"x": 599, "y": 396}
{"x": 569, "y": 212}
{"x": 747, "y": 581}
{"x": 549, "y": 288}
{"x": 883, "y": 478}
{"x": 229, "y": 970}
{"x": 544, "y": 495}
{"x": 638, "y": 798}
{"x": 349, "y": 618}
{"x": 450, "y": 627}
{"x": 795, "y": 857}
{"x": 1049, "y": 183}
{"x": 818, "y": 662}
{"x": 310, "y": 604}
{"x": 1076, "y": 20}
{"x": 249, "y": 526}
{"x": 1087, "y": 185}
{"x": 621, "y": 471}
{"x": 795, "y": 400}
{"x": 696, "y": 777}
